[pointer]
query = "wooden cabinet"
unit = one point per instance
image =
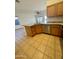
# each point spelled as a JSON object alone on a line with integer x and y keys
{"x": 39, "y": 29}
{"x": 55, "y": 10}
{"x": 52, "y": 29}
{"x": 51, "y": 11}
{"x": 28, "y": 30}
{"x": 33, "y": 30}
{"x": 60, "y": 9}
{"x": 56, "y": 30}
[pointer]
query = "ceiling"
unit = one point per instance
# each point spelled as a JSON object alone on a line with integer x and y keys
{"x": 28, "y": 6}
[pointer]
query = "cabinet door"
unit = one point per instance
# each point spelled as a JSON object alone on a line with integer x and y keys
{"x": 56, "y": 30}
{"x": 51, "y": 10}
{"x": 55, "y": 10}
{"x": 33, "y": 30}
{"x": 39, "y": 29}
{"x": 60, "y": 9}
{"x": 28, "y": 30}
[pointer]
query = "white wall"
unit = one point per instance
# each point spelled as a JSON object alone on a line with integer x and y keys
{"x": 26, "y": 9}
{"x": 26, "y": 18}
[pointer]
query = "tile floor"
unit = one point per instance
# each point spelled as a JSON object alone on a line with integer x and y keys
{"x": 41, "y": 46}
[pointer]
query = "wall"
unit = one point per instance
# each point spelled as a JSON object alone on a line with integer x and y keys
{"x": 26, "y": 18}
{"x": 49, "y": 2}
{"x": 26, "y": 9}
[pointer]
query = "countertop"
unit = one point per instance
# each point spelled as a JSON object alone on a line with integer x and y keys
{"x": 53, "y": 23}
{"x": 45, "y": 24}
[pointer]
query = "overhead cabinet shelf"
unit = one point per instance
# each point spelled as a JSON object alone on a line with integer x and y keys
{"x": 55, "y": 9}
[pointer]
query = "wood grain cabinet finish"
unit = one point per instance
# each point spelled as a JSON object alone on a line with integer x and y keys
{"x": 55, "y": 10}
{"x": 28, "y": 31}
{"x": 56, "y": 30}
{"x": 51, "y": 11}
{"x": 33, "y": 30}
{"x": 39, "y": 29}
{"x": 60, "y": 9}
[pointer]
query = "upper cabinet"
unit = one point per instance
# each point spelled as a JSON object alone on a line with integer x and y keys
{"x": 60, "y": 9}
{"x": 51, "y": 10}
{"x": 55, "y": 9}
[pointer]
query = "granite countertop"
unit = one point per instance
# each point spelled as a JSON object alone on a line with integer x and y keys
{"x": 45, "y": 24}
{"x": 53, "y": 23}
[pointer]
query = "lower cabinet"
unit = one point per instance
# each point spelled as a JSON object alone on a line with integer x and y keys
{"x": 49, "y": 29}
{"x": 28, "y": 31}
{"x": 56, "y": 30}
{"x": 39, "y": 29}
{"x": 33, "y": 30}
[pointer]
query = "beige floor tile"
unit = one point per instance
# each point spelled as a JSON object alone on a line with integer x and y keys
{"x": 51, "y": 45}
{"x": 46, "y": 57}
{"x": 18, "y": 52}
{"x": 39, "y": 40}
{"x": 38, "y": 55}
{"x": 25, "y": 47}
{"x": 58, "y": 50}
{"x": 30, "y": 52}
{"x": 51, "y": 40}
{"x": 41, "y": 48}
{"x": 30, "y": 41}
{"x": 21, "y": 57}
{"x": 58, "y": 53}
{"x": 36, "y": 44}
{"x": 44, "y": 42}
{"x": 18, "y": 45}
{"x": 57, "y": 41}
{"x": 49, "y": 52}
{"x": 58, "y": 56}
{"x": 57, "y": 46}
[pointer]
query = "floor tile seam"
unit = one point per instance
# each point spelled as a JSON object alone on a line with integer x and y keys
{"x": 38, "y": 50}
{"x": 35, "y": 52}
{"x": 28, "y": 55}
{"x": 46, "y": 54}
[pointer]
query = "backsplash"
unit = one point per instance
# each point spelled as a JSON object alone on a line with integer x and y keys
{"x": 58, "y": 19}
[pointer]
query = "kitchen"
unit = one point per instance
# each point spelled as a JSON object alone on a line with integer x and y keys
{"x": 41, "y": 22}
